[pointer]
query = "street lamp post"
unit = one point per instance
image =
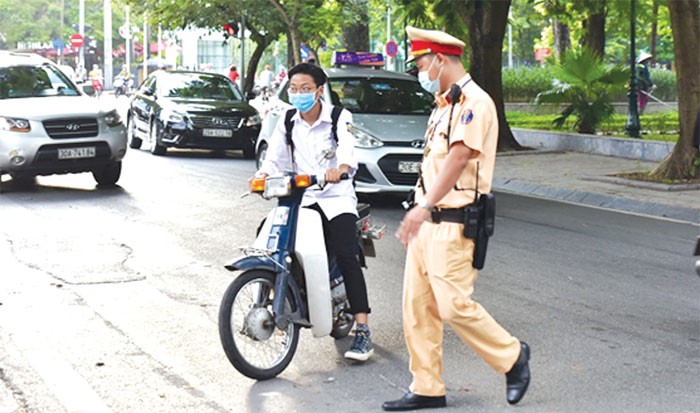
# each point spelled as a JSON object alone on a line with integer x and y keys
{"x": 632, "y": 125}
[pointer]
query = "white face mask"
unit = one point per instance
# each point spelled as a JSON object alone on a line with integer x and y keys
{"x": 426, "y": 83}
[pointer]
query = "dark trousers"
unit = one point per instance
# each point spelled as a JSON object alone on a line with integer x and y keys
{"x": 340, "y": 236}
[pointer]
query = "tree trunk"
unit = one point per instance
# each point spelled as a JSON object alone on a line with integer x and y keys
{"x": 562, "y": 40}
{"x": 291, "y": 18}
{"x": 594, "y": 30}
{"x": 685, "y": 25}
{"x": 487, "y": 27}
{"x": 261, "y": 43}
{"x": 356, "y": 35}
{"x": 654, "y": 30}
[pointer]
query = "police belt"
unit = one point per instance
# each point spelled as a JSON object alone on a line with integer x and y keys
{"x": 438, "y": 215}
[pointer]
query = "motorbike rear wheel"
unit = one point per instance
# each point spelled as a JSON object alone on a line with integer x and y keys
{"x": 251, "y": 341}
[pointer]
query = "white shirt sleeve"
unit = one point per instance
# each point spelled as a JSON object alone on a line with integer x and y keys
{"x": 277, "y": 157}
{"x": 346, "y": 141}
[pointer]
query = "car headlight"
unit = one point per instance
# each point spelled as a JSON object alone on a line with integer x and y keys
{"x": 365, "y": 140}
{"x": 253, "y": 120}
{"x": 112, "y": 118}
{"x": 14, "y": 124}
{"x": 168, "y": 115}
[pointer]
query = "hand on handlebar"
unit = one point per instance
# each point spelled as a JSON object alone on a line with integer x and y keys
{"x": 333, "y": 176}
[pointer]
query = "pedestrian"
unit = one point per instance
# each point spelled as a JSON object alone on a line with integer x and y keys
{"x": 646, "y": 86}
{"x": 314, "y": 148}
{"x": 233, "y": 74}
{"x": 80, "y": 73}
{"x": 439, "y": 275}
{"x": 266, "y": 76}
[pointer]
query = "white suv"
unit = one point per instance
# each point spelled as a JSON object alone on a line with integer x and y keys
{"x": 47, "y": 126}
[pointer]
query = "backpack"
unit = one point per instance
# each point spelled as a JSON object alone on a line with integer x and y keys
{"x": 288, "y": 125}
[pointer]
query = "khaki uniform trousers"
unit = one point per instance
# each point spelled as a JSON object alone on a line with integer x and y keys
{"x": 438, "y": 285}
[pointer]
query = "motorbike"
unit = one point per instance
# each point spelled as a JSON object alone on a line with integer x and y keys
{"x": 122, "y": 86}
{"x": 287, "y": 281}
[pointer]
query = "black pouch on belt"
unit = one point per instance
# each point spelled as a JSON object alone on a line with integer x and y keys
{"x": 487, "y": 208}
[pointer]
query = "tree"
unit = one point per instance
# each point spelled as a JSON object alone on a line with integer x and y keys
{"x": 262, "y": 22}
{"x": 487, "y": 21}
{"x": 356, "y": 32}
{"x": 291, "y": 12}
{"x": 585, "y": 84}
{"x": 594, "y": 27}
{"x": 683, "y": 161}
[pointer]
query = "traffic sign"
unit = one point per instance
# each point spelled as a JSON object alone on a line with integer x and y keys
{"x": 392, "y": 49}
{"x": 76, "y": 40}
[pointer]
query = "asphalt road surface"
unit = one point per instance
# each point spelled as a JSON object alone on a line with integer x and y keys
{"x": 109, "y": 301}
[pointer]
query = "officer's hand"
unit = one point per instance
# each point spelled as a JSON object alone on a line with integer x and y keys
{"x": 411, "y": 224}
{"x": 333, "y": 175}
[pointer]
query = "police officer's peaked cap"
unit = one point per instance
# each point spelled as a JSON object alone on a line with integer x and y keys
{"x": 432, "y": 41}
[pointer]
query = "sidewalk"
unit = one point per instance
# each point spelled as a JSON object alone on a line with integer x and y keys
{"x": 583, "y": 178}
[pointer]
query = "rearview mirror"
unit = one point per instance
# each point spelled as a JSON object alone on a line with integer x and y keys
{"x": 250, "y": 95}
{"x": 89, "y": 90}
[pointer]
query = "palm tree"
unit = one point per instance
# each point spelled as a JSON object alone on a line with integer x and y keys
{"x": 584, "y": 84}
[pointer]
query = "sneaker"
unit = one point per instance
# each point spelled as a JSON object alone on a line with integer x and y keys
{"x": 361, "y": 349}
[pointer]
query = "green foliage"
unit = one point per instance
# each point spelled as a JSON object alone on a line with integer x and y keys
{"x": 524, "y": 83}
{"x": 582, "y": 82}
{"x": 657, "y": 126}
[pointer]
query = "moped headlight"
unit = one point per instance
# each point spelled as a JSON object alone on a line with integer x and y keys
{"x": 276, "y": 186}
{"x": 14, "y": 124}
{"x": 112, "y": 118}
{"x": 365, "y": 140}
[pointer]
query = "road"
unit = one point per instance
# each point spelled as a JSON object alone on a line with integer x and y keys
{"x": 109, "y": 301}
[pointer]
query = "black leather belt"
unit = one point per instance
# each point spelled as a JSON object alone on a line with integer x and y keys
{"x": 447, "y": 215}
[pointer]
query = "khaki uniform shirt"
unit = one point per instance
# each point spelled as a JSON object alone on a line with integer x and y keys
{"x": 475, "y": 123}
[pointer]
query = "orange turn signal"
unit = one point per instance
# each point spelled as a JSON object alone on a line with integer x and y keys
{"x": 257, "y": 185}
{"x": 302, "y": 181}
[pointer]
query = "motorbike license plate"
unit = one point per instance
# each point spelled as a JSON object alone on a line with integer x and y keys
{"x": 217, "y": 133}
{"x": 76, "y": 153}
{"x": 406, "y": 167}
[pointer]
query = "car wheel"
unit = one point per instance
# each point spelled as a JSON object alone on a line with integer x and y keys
{"x": 134, "y": 142}
{"x": 260, "y": 156}
{"x": 109, "y": 174}
{"x": 156, "y": 148}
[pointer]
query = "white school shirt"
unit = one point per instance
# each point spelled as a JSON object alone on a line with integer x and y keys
{"x": 310, "y": 142}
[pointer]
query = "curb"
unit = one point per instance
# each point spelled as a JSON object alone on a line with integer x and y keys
{"x": 644, "y": 150}
{"x": 595, "y": 199}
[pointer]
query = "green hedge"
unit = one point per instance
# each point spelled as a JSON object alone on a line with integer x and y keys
{"x": 659, "y": 126}
{"x": 523, "y": 84}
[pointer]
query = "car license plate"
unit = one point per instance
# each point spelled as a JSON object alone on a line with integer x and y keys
{"x": 217, "y": 133}
{"x": 406, "y": 167}
{"x": 76, "y": 153}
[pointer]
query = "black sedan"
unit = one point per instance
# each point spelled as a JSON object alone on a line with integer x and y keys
{"x": 183, "y": 109}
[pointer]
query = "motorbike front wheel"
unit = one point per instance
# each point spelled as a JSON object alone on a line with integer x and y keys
{"x": 252, "y": 342}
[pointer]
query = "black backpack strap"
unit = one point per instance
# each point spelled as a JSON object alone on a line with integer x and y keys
{"x": 335, "y": 115}
{"x": 288, "y": 125}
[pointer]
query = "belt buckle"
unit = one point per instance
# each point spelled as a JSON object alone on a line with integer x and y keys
{"x": 435, "y": 215}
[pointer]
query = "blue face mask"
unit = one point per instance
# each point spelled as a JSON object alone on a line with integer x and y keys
{"x": 428, "y": 84}
{"x": 303, "y": 101}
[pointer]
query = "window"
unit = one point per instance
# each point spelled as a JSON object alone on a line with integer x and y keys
{"x": 34, "y": 81}
{"x": 381, "y": 96}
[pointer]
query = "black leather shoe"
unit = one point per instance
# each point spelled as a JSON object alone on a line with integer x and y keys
{"x": 518, "y": 378}
{"x": 411, "y": 401}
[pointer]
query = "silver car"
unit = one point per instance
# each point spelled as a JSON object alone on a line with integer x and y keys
{"x": 390, "y": 113}
{"x": 47, "y": 126}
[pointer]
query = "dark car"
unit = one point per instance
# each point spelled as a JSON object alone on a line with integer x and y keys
{"x": 182, "y": 109}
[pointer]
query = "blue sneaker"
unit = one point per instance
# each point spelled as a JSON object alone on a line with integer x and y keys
{"x": 361, "y": 349}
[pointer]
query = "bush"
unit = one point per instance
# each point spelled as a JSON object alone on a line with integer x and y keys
{"x": 524, "y": 83}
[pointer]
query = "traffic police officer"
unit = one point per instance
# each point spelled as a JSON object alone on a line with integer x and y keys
{"x": 439, "y": 277}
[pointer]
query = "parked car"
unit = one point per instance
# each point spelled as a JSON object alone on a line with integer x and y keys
{"x": 182, "y": 109}
{"x": 48, "y": 126}
{"x": 390, "y": 114}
